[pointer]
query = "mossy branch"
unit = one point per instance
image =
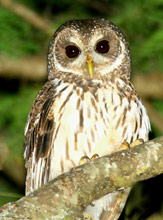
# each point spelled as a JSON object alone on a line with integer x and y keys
{"x": 67, "y": 196}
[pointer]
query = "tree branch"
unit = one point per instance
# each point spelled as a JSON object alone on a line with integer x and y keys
{"x": 149, "y": 85}
{"x": 67, "y": 196}
{"x": 35, "y": 68}
{"x": 28, "y": 15}
{"x": 29, "y": 68}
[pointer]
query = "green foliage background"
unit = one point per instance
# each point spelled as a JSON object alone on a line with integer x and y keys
{"x": 142, "y": 24}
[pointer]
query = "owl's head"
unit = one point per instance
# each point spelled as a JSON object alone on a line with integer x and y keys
{"x": 89, "y": 49}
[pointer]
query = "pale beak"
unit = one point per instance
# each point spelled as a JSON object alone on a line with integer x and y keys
{"x": 90, "y": 65}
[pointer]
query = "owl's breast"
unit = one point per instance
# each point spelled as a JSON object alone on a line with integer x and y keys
{"x": 88, "y": 123}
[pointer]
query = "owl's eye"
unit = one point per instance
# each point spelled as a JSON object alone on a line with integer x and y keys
{"x": 102, "y": 46}
{"x": 72, "y": 51}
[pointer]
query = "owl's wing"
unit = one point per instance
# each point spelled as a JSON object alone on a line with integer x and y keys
{"x": 39, "y": 138}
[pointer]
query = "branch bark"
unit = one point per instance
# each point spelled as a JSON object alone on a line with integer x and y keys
{"x": 67, "y": 196}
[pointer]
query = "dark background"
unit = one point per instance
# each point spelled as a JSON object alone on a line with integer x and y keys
{"x": 25, "y": 30}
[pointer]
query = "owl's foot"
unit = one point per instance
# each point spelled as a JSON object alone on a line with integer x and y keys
{"x": 86, "y": 159}
{"x": 125, "y": 145}
{"x": 136, "y": 142}
{"x": 95, "y": 156}
{"x": 88, "y": 217}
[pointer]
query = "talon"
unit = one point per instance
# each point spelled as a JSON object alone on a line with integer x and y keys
{"x": 88, "y": 217}
{"x": 95, "y": 156}
{"x": 84, "y": 160}
{"x": 137, "y": 142}
{"x": 92, "y": 204}
{"x": 125, "y": 145}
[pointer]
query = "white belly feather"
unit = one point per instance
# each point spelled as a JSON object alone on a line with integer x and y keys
{"x": 86, "y": 125}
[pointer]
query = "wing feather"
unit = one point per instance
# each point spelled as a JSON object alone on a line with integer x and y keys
{"x": 39, "y": 133}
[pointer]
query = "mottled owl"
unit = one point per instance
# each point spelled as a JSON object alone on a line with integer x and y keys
{"x": 88, "y": 106}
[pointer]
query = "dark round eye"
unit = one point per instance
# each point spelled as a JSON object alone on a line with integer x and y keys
{"x": 72, "y": 51}
{"x": 102, "y": 46}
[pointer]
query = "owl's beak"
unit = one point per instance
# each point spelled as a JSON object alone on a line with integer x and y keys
{"x": 90, "y": 65}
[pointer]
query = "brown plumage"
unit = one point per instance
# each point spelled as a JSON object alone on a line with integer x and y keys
{"x": 88, "y": 106}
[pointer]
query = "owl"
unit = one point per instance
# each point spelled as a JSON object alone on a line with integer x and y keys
{"x": 88, "y": 106}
